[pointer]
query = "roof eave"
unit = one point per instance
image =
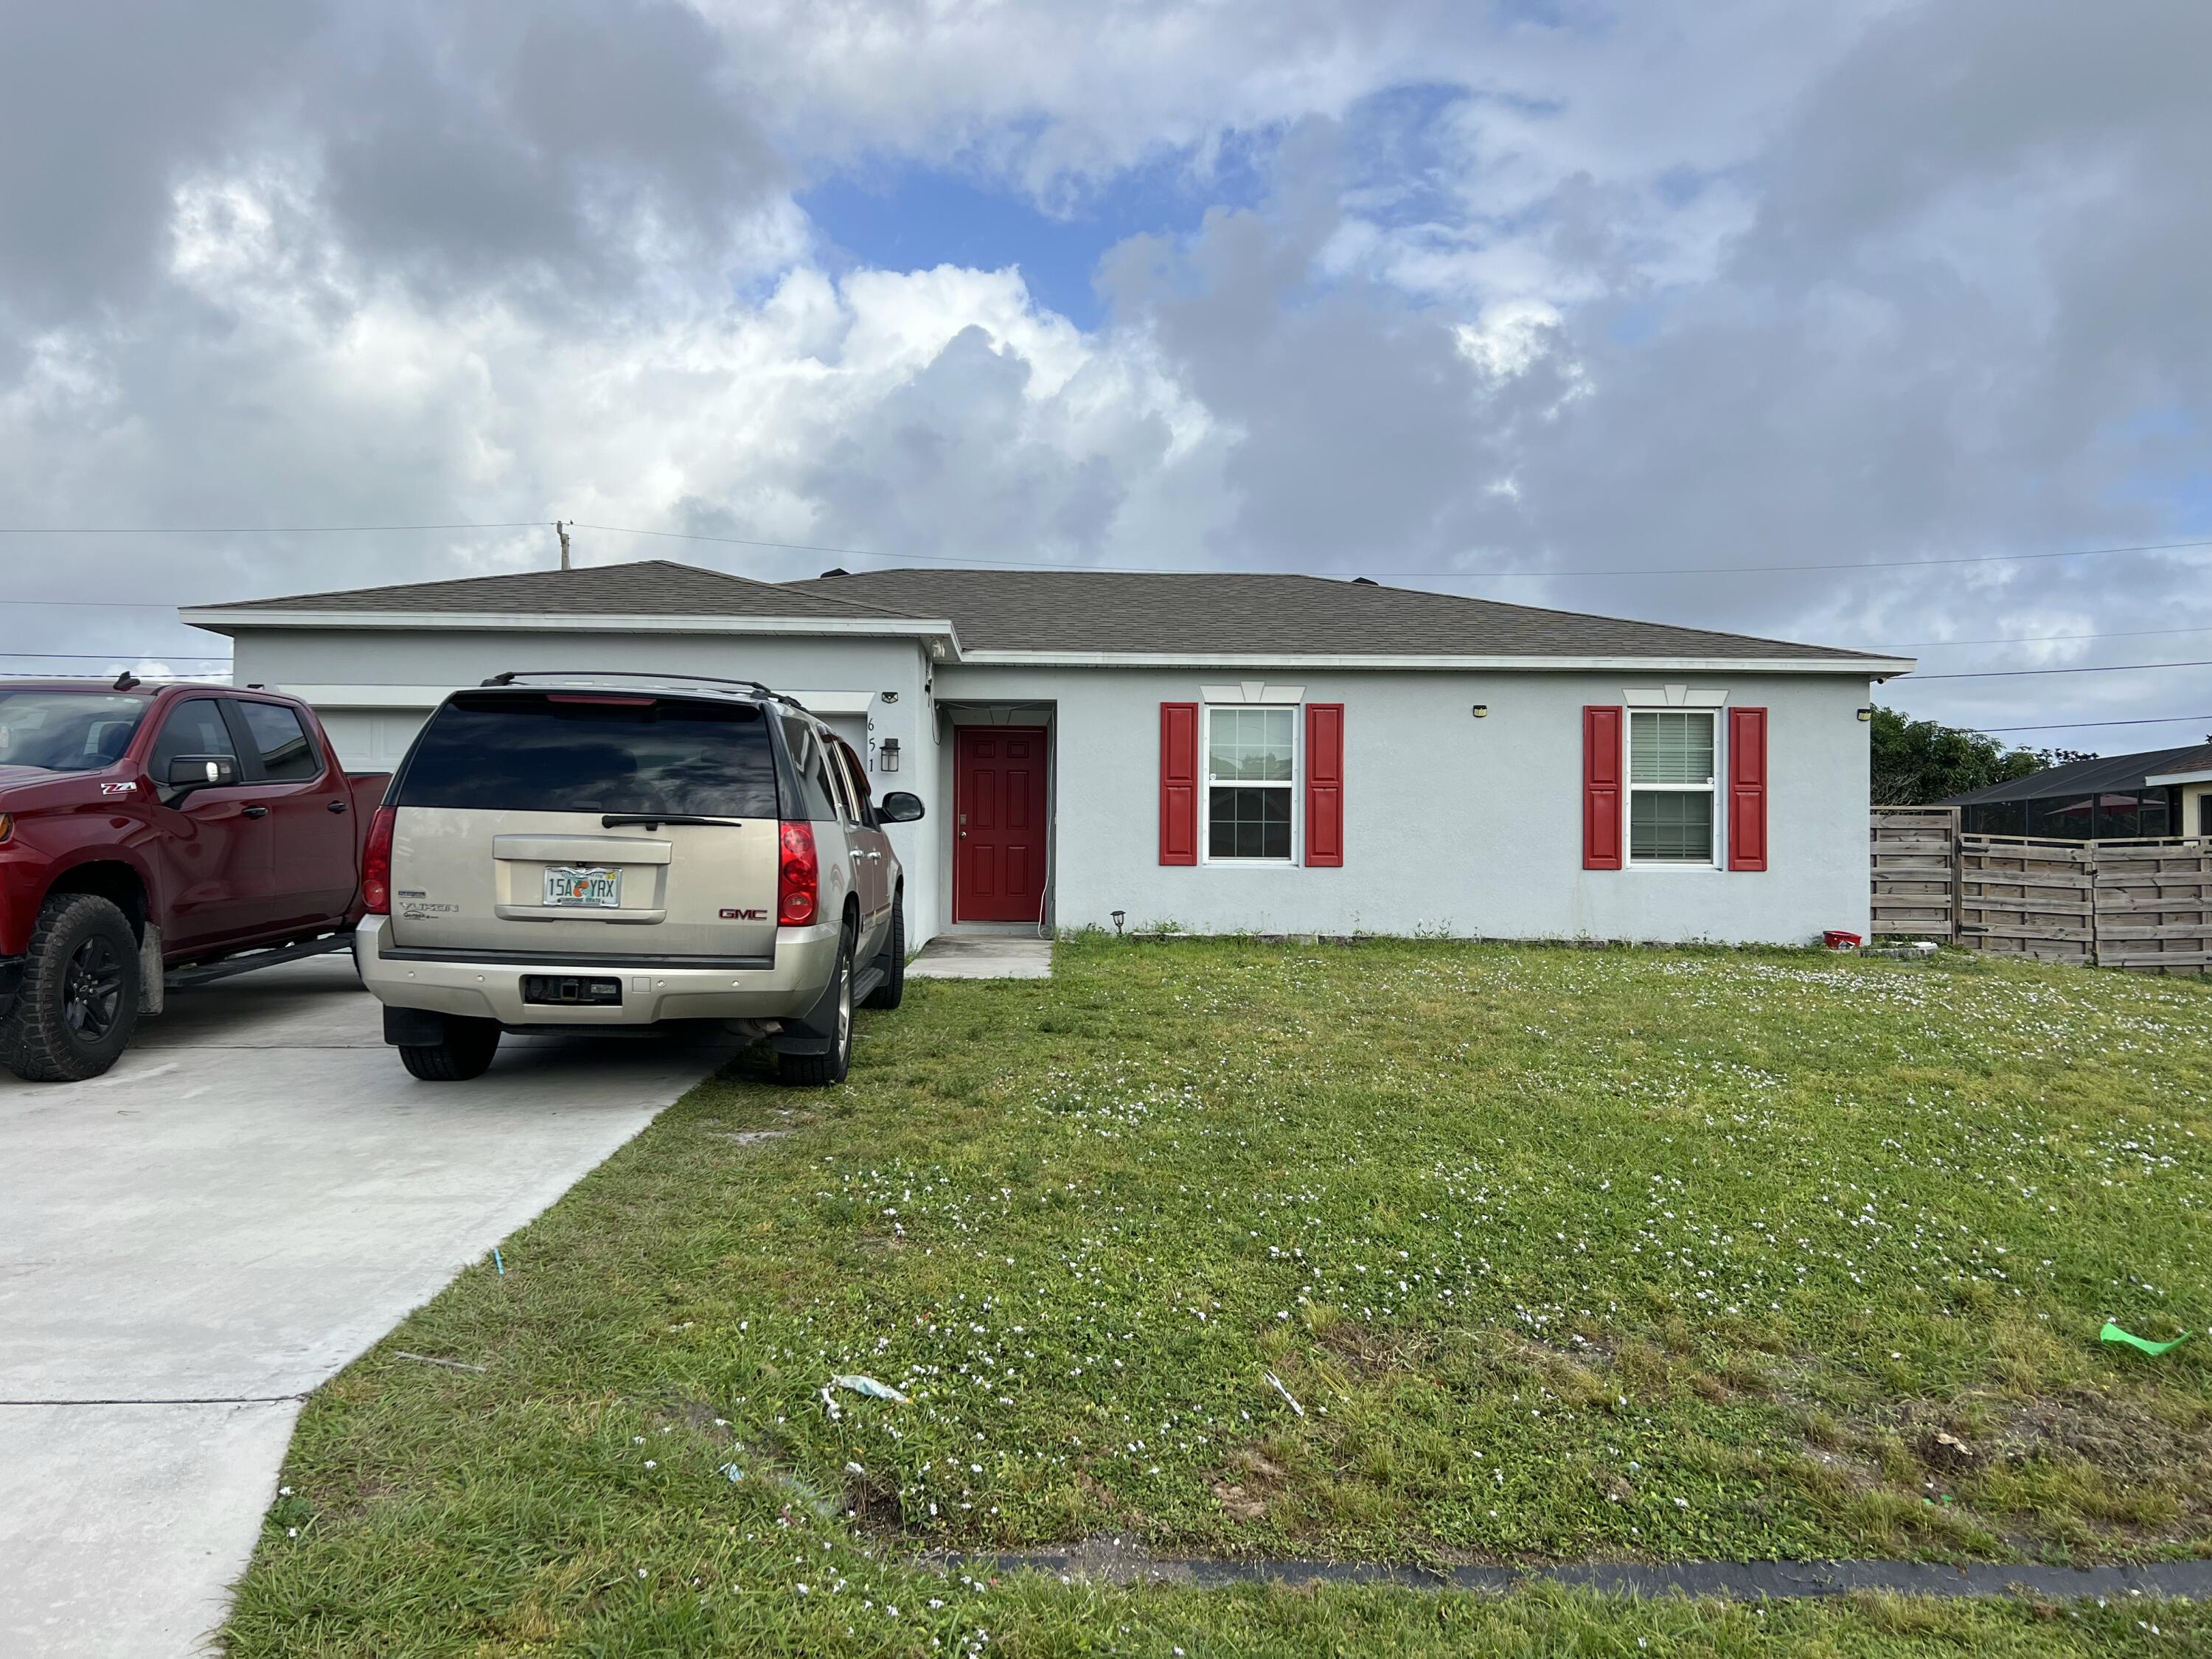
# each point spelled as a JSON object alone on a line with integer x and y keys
{"x": 1872, "y": 667}
{"x": 938, "y": 634}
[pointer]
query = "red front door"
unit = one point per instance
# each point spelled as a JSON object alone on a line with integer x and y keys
{"x": 999, "y": 828}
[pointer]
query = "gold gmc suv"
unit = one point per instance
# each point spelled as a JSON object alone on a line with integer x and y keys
{"x": 569, "y": 850}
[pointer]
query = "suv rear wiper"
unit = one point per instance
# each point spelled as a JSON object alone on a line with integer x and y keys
{"x": 655, "y": 820}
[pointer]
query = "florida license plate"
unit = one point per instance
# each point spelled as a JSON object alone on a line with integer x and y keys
{"x": 586, "y": 886}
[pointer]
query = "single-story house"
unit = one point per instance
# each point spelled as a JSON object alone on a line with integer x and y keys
{"x": 1220, "y": 752}
{"x": 2160, "y": 791}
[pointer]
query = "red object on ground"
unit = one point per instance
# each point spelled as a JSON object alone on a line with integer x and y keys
{"x": 1837, "y": 939}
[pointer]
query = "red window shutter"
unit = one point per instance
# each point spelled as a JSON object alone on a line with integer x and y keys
{"x": 1746, "y": 791}
{"x": 1325, "y": 784}
{"x": 1178, "y": 783}
{"x": 1600, "y": 788}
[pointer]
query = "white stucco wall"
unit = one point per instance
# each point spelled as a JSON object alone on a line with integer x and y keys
{"x": 339, "y": 671}
{"x": 1452, "y": 824}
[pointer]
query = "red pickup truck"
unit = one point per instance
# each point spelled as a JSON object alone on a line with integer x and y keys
{"x": 146, "y": 829}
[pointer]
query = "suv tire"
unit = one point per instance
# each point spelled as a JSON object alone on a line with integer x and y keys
{"x": 463, "y": 1052}
{"x": 826, "y": 1071}
{"x": 892, "y": 991}
{"x": 78, "y": 1002}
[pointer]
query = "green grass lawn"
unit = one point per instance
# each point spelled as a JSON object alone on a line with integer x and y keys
{"x": 1562, "y": 1254}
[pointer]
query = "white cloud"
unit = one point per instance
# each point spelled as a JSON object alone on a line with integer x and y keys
{"x": 1611, "y": 285}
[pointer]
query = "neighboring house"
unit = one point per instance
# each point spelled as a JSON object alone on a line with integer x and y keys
{"x": 1224, "y": 752}
{"x": 2163, "y": 791}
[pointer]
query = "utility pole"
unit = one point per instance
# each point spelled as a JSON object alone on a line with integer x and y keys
{"x": 562, "y": 530}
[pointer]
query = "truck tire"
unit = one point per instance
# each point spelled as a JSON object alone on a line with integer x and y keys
{"x": 892, "y": 991}
{"x": 827, "y": 1071}
{"x": 464, "y": 1051}
{"x": 78, "y": 1003}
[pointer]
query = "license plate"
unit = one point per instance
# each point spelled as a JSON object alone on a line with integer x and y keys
{"x": 589, "y": 887}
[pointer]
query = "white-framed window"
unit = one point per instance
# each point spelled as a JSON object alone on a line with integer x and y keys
{"x": 1674, "y": 787}
{"x": 1251, "y": 784}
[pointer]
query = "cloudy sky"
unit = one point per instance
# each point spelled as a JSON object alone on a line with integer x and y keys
{"x": 1579, "y": 304}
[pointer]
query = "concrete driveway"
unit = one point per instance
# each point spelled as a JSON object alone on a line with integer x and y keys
{"x": 190, "y": 1243}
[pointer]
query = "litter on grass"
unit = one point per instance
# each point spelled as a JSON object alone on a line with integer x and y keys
{"x": 2113, "y": 1332}
{"x": 497, "y": 1262}
{"x": 735, "y": 1474}
{"x": 870, "y": 1387}
{"x": 1276, "y": 1383}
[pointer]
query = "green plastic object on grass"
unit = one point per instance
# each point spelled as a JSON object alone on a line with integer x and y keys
{"x": 2113, "y": 1334}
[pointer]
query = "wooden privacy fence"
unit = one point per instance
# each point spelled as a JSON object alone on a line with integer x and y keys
{"x": 1916, "y": 871}
{"x": 2153, "y": 905}
{"x": 2145, "y": 905}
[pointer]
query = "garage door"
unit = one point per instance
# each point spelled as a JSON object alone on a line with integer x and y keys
{"x": 373, "y": 739}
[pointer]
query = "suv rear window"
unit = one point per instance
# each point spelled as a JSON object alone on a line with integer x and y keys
{"x": 592, "y": 752}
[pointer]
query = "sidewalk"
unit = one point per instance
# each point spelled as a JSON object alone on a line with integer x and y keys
{"x": 953, "y": 955}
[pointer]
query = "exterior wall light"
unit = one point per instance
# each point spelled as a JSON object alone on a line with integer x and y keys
{"x": 890, "y": 697}
{"x": 1482, "y": 711}
{"x": 887, "y": 755}
{"x": 1866, "y": 716}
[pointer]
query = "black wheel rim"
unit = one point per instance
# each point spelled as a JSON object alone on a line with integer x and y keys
{"x": 92, "y": 989}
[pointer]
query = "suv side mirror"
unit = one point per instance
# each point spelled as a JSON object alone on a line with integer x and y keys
{"x": 899, "y": 806}
{"x": 190, "y": 772}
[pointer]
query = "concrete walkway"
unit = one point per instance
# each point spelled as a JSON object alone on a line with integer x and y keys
{"x": 962, "y": 956}
{"x": 254, "y": 1196}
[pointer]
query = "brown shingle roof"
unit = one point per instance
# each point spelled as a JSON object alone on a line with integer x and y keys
{"x": 648, "y": 587}
{"x": 1196, "y": 614}
{"x": 1240, "y": 613}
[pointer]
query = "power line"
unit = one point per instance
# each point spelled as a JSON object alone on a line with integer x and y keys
{"x": 976, "y": 559}
{"x": 2051, "y": 639}
{"x": 104, "y": 656}
{"x": 249, "y": 529}
{"x": 2083, "y": 726}
{"x": 2093, "y": 668}
{"x": 1162, "y": 570}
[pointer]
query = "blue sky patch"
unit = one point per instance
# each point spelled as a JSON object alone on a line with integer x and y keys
{"x": 911, "y": 217}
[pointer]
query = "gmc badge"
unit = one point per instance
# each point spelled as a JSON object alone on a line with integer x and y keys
{"x": 745, "y": 915}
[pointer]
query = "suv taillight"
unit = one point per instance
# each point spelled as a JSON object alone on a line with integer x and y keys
{"x": 376, "y": 863}
{"x": 798, "y": 877}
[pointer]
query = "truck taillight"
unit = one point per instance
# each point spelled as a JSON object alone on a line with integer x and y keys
{"x": 376, "y": 863}
{"x": 798, "y": 877}
{"x": 7, "y": 827}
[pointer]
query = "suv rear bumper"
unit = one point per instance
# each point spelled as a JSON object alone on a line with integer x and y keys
{"x": 786, "y": 987}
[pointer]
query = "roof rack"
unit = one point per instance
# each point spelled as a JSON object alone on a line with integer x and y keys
{"x": 510, "y": 676}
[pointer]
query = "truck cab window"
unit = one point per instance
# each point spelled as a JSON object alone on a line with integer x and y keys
{"x": 288, "y": 753}
{"x": 195, "y": 726}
